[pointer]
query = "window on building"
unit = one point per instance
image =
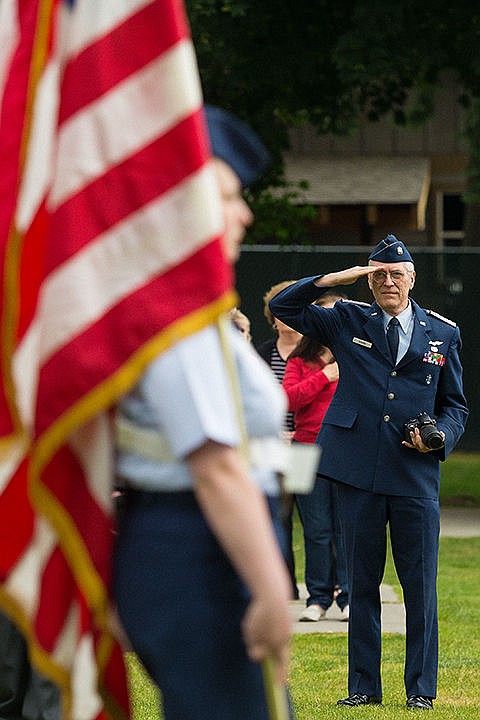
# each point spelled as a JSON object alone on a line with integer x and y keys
{"x": 450, "y": 234}
{"x": 452, "y": 225}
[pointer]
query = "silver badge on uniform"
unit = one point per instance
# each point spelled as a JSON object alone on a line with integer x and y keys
{"x": 428, "y": 379}
{"x": 360, "y": 341}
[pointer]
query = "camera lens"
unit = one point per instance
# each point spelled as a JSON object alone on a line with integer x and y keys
{"x": 431, "y": 437}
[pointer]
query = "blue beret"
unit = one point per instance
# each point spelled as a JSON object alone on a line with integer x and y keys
{"x": 390, "y": 250}
{"x": 237, "y": 144}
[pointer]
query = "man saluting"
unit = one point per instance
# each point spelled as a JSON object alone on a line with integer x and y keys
{"x": 399, "y": 364}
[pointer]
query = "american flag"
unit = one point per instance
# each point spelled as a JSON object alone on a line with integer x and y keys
{"x": 110, "y": 247}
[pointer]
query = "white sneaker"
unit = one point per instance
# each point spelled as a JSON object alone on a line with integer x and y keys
{"x": 345, "y": 613}
{"x": 312, "y": 613}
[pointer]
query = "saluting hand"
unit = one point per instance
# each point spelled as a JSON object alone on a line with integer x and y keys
{"x": 348, "y": 276}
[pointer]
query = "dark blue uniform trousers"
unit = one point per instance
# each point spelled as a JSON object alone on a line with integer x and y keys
{"x": 414, "y": 532}
{"x": 182, "y": 605}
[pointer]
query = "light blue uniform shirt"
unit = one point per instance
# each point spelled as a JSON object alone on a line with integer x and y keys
{"x": 185, "y": 395}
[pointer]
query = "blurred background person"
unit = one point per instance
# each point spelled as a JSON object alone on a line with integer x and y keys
{"x": 310, "y": 381}
{"x": 241, "y": 322}
{"x": 275, "y": 352}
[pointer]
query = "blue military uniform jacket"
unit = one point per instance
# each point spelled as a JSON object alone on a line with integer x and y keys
{"x": 362, "y": 432}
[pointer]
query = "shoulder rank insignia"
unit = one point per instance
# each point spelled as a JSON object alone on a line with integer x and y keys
{"x": 441, "y": 317}
{"x": 355, "y": 302}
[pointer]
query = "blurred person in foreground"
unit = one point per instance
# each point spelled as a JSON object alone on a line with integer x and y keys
{"x": 397, "y": 362}
{"x": 200, "y": 582}
{"x": 310, "y": 381}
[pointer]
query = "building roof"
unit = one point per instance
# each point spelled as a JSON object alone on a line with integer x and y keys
{"x": 360, "y": 180}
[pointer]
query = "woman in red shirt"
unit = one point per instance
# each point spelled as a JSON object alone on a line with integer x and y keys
{"x": 310, "y": 381}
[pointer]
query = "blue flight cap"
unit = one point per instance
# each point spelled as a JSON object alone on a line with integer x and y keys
{"x": 237, "y": 144}
{"x": 390, "y": 250}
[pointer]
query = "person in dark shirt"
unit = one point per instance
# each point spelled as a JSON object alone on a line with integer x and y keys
{"x": 275, "y": 352}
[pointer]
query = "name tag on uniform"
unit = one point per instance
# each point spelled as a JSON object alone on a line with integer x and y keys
{"x": 363, "y": 343}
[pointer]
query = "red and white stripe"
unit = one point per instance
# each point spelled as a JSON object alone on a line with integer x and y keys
{"x": 110, "y": 242}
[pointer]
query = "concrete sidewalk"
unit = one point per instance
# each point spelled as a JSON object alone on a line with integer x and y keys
{"x": 455, "y": 522}
{"x": 459, "y": 522}
{"x": 393, "y": 615}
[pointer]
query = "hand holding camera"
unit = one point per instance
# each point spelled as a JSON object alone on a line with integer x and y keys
{"x": 430, "y": 436}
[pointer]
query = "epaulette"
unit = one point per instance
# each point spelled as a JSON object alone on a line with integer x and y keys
{"x": 355, "y": 302}
{"x": 441, "y": 317}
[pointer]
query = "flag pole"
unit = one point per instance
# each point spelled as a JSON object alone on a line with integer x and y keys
{"x": 275, "y": 692}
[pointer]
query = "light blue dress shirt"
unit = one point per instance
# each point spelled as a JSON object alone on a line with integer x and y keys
{"x": 186, "y": 395}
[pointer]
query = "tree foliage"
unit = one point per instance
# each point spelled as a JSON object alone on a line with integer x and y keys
{"x": 279, "y": 63}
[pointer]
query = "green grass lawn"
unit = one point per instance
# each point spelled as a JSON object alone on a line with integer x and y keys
{"x": 319, "y": 662}
{"x": 460, "y": 480}
{"x": 318, "y": 675}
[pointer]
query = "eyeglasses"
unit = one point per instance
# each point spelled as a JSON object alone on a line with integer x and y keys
{"x": 396, "y": 276}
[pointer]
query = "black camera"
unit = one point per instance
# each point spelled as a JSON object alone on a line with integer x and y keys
{"x": 431, "y": 437}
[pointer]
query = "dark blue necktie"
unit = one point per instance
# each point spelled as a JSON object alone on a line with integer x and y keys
{"x": 392, "y": 337}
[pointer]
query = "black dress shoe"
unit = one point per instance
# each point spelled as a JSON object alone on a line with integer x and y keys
{"x": 419, "y": 702}
{"x": 359, "y": 699}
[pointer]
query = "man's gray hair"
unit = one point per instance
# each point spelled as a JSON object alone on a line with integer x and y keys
{"x": 409, "y": 266}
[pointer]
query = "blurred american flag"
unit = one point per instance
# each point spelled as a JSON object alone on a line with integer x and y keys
{"x": 110, "y": 242}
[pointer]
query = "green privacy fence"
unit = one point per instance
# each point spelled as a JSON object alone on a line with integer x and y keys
{"x": 448, "y": 281}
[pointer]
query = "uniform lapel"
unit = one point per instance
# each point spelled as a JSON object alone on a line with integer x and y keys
{"x": 376, "y": 332}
